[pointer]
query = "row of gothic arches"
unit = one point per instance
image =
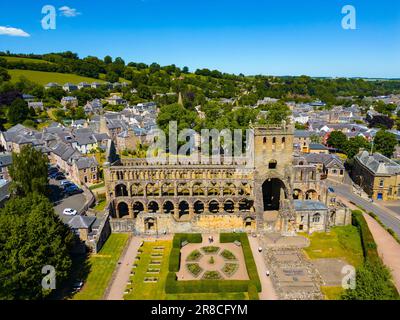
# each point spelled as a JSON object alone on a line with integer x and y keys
{"x": 183, "y": 207}
{"x": 183, "y": 189}
{"x": 308, "y": 195}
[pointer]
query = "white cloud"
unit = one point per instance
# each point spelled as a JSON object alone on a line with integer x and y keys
{"x": 69, "y": 12}
{"x": 13, "y": 32}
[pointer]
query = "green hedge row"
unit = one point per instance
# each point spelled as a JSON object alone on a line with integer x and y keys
{"x": 189, "y": 237}
{"x": 367, "y": 240}
{"x": 248, "y": 255}
{"x": 252, "y": 286}
{"x": 172, "y": 285}
{"x": 175, "y": 260}
{"x": 252, "y": 291}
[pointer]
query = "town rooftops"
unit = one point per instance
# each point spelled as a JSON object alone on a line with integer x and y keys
{"x": 309, "y": 205}
{"x": 81, "y": 222}
{"x": 329, "y": 160}
{"x": 5, "y": 159}
{"x": 378, "y": 164}
{"x": 303, "y": 133}
{"x": 317, "y": 146}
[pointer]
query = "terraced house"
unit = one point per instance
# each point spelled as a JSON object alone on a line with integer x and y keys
{"x": 377, "y": 175}
{"x": 246, "y": 194}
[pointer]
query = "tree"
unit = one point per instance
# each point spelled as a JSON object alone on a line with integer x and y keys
{"x": 4, "y": 76}
{"x": 112, "y": 77}
{"x": 383, "y": 122}
{"x": 144, "y": 92}
{"x": 108, "y": 60}
{"x": 28, "y": 171}
{"x": 18, "y": 111}
{"x": 353, "y": 145}
{"x": 385, "y": 143}
{"x": 337, "y": 139}
{"x": 373, "y": 282}
{"x": 31, "y": 236}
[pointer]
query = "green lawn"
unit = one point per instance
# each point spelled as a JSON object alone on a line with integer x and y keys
{"x": 340, "y": 242}
{"x": 156, "y": 291}
{"x": 26, "y": 60}
{"x": 102, "y": 266}
{"x": 44, "y": 78}
{"x": 100, "y": 206}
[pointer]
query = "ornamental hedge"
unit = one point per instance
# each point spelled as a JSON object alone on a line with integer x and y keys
{"x": 367, "y": 240}
{"x": 251, "y": 286}
{"x": 175, "y": 255}
{"x": 248, "y": 255}
{"x": 189, "y": 237}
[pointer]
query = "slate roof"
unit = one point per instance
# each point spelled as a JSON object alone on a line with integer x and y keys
{"x": 378, "y": 164}
{"x": 309, "y": 205}
{"x": 5, "y": 159}
{"x": 329, "y": 160}
{"x": 81, "y": 222}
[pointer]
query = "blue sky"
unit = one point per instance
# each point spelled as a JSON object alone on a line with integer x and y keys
{"x": 278, "y": 37}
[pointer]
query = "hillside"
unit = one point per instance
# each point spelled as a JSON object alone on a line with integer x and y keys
{"x": 44, "y": 78}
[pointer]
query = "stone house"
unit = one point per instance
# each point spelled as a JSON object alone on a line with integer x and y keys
{"x": 5, "y": 162}
{"x": 69, "y": 102}
{"x": 377, "y": 175}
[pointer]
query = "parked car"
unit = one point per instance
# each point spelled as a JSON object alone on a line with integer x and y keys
{"x": 66, "y": 183}
{"x": 69, "y": 212}
{"x": 73, "y": 189}
{"x": 60, "y": 176}
{"x": 52, "y": 170}
{"x": 77, "y": 286}
{"x": 54, "y": 174}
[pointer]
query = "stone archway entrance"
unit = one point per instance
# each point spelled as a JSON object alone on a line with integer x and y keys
{"x": 150, "y": 224}
{"x": 122, "y": 210}
{"x": 273, "y": 191}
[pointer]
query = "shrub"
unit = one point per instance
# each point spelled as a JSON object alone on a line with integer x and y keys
{"x": 194, "y": 256}
{"x": 367, "y": 240}
{"x": 194, "y": 268}
{"x": 226, "y": 254}
{"x": 252, "y": 291}
{"x": 211, "y": 275}
{"x": 210, "y": 249}
{"x": 189, "y": 237}
{"x": 174, "y": 260}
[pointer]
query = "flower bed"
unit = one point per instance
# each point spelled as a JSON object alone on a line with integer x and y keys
{"x": 194, "y": 269}
{"x": 227, "y": 255}
{"x": 211, "y": 275}
{"x": 210, "y": 249}
{"x": 230, "y": 268}
{"x": 195, "y": 255}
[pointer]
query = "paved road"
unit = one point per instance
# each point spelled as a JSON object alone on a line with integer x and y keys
{"x": 268, "y": 291}
{"x": 388, "y": 248}
{"x": 62, "y": 202}
{"x": 388, "y": 217}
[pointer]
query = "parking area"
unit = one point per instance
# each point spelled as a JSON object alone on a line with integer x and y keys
{"x": 62, "y": 201}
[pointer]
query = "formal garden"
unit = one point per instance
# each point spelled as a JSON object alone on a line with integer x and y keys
{"x": 157, "y": 266}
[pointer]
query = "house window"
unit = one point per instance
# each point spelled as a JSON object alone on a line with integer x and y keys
{"x": 316, "y": 218}
{"x": 341, "y": 172}
{"x": 381, "y": 183}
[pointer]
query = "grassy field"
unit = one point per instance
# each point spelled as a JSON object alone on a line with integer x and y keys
{"x": 102, "y": 266}
{"x": 100, "y": 206}
{"x": 340, "y": 242}
{"x": 27, "y": 60}
{"x": 156, "y": 291}
{"x": 44, "y": 78}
